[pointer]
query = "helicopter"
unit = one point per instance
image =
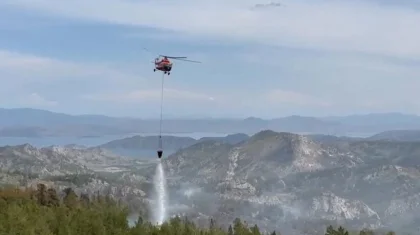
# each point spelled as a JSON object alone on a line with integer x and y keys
{"x": 163, "y": 63}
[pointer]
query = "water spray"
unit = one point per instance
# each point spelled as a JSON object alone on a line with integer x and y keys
{"x": 159, "y": 181}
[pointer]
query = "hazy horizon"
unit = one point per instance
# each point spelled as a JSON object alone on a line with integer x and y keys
{"x": 92, "y": 141}
{"x": 170, "y": 116}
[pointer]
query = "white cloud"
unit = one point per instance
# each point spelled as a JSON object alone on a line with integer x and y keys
{"x": 15, "y": 60}
{"x": 283, "y": 97}
{"x": 349, "y": 81}
{"x": 334, "y": 25}
{"x": 35, "y": 100}
{"x": 24, "y": 73}
{"x": 16, "y": 66}
{"x": 152, "y": 95}
{"x": 350, "y": 62}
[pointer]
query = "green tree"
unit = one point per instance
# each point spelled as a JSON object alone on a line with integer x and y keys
{"x": 52, "y": 197}
{"x": 366, "y": 232}
{"x": 255, "y": 230}
{"x": 342, "y": 231}
{"x": 240, "y": 228}
{"x": 212, "y": 225}
{"x": 40, "y": 211}
{"x": 230, "y": 230}
{"x": 339, "y": 231}
{"x": 331, "y": 231}
{"x": 41, "y": 194}
{"x": 70, "y": 198}
{"x": 84, "y": 199}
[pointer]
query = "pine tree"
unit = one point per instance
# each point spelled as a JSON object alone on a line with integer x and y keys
{"x": 230, "y": 230}
{"x": 331, "y": 231}
{"x": 139, "y": 221}
{"x": 52, "y": 198}
{"x": 41, "y": 194}
{"x": 70, "y": 198}
{"x": 255, "y": 230}
{"x": 238, "y": 227}
{"x": 212, "y": 225}
{"x": 342, "y": 231}
{"x": 84, "y": 199}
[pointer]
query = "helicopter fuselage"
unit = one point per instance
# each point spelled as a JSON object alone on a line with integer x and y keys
{"x": 163, "y": 66}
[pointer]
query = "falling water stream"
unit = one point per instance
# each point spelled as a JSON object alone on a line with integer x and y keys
{"x": 159, "y": 180}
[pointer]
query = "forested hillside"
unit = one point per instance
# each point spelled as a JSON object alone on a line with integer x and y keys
{"x": 47, "y": 212}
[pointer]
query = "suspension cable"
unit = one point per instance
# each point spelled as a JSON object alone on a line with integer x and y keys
{"x": 160, "y": 148}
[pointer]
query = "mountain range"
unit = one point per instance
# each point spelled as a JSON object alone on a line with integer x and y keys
{"x": 145, "y": 146}
{"x": 39, "y": 123}
{"x": 279, "y": 180}
{"x": 289, "y": 179}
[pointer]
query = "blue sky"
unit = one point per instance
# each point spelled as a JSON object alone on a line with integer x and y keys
{"x": 318, "y": 57}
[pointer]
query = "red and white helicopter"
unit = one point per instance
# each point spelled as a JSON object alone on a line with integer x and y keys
{"x": 163, "y": 63}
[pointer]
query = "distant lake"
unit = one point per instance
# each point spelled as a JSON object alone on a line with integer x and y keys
{"x": 90, "y": 141}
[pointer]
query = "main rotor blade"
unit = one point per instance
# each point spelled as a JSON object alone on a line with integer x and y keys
{"x": 182, "y": 58}
{"x": 174, "y": 57}
{"x": 193, "y": 61}
{"x": 144, "y": 48}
